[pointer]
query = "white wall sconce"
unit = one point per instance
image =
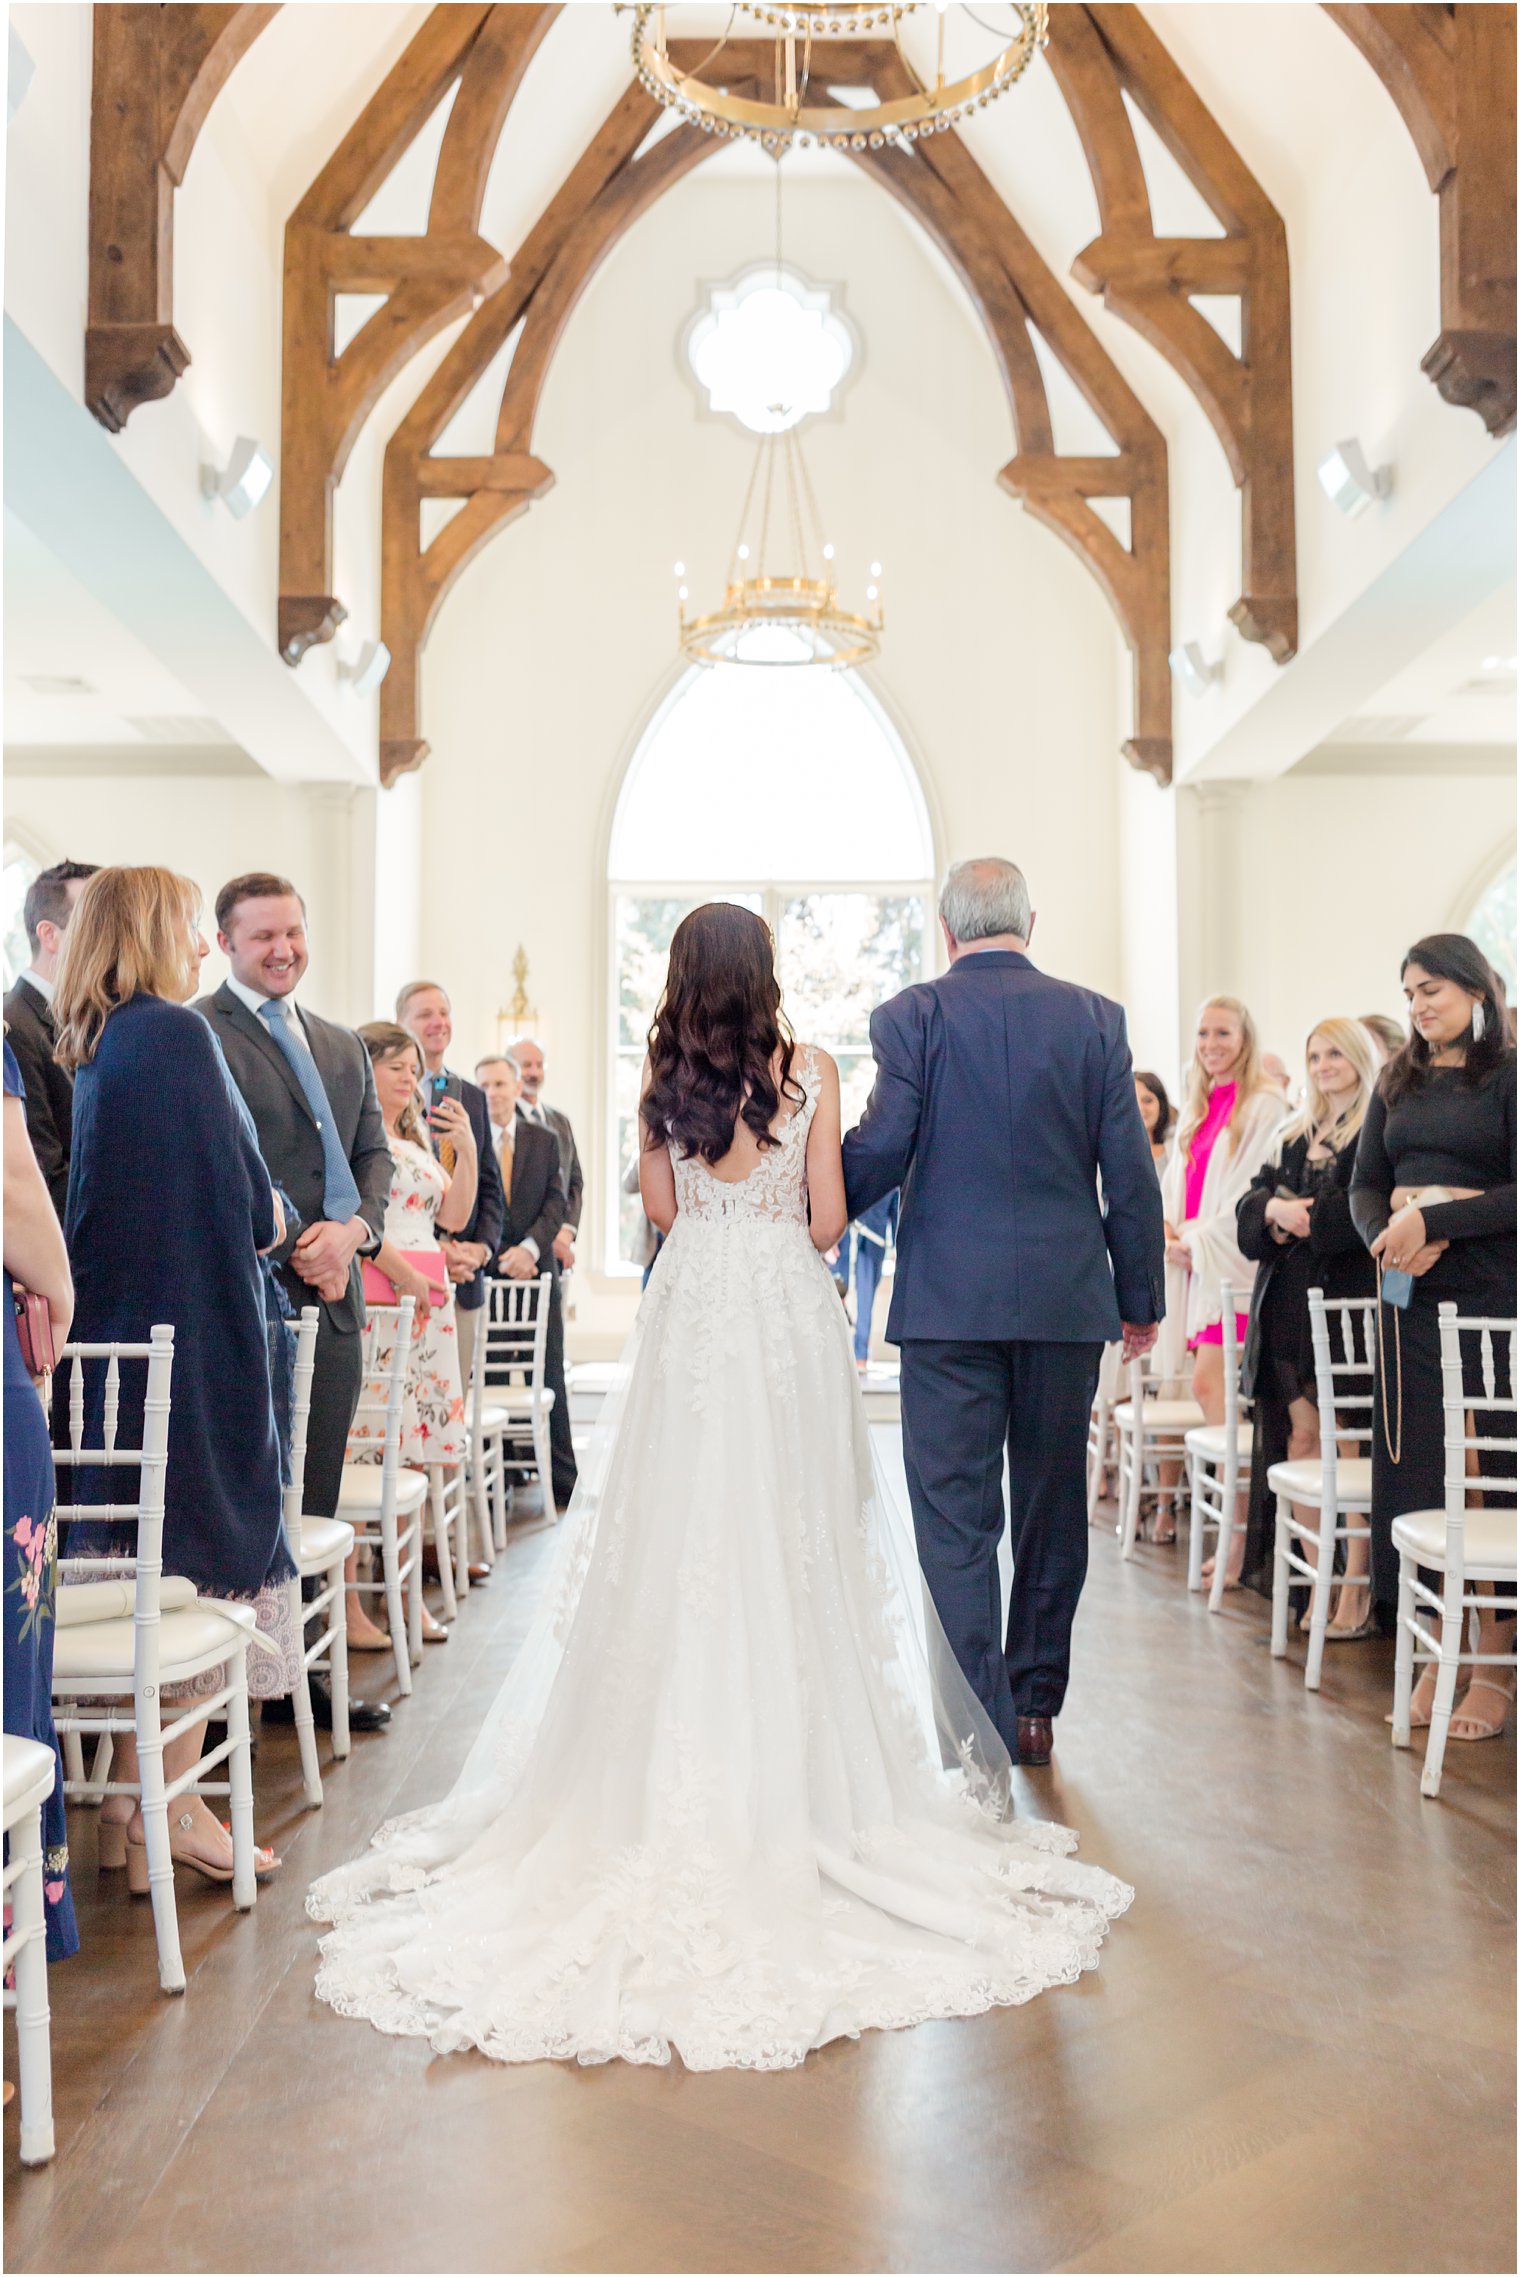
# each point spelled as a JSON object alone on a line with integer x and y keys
{"x": 1195, "y": 671}
{"x": 366, "y": 670}
{"x": 1349, "y": 482}
{"x": 242, "y": 482}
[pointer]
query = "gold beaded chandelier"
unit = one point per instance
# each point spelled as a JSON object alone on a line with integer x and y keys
{"x": 791, "y": 619}
{"x": 794, "y": 114}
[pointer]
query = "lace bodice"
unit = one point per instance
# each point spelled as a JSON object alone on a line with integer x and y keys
{"x": 776, "y": 1189}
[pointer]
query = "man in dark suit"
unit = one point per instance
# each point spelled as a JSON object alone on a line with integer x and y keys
{"x": 423, "y": 1009}
{"x": 528, "y": 1155}
{"x": 308, "y": 1086}
{"x": 49, "y": 904}
{"x": 528, "y": 1058}
{"x": 1002, "y": 1097}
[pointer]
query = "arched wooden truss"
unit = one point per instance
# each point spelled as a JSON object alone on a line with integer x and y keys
{"x": 158, "y": 69}
{"x": 1451, "y": 71}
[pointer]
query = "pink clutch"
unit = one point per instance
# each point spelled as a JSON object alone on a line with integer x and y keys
{"x": 379, "y": 1289}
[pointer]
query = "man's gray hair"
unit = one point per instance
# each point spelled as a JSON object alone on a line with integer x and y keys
{"x": 983, "y": 897}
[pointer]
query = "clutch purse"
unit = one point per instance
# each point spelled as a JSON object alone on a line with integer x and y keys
{"x": 34, "y": 1333}
{"x": 380, "y": 1289}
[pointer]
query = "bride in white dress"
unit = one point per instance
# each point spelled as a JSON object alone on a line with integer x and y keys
{"x": 710, "y": 1809}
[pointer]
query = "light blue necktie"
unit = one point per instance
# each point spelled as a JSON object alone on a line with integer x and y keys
{"x": 340, "y": 1199}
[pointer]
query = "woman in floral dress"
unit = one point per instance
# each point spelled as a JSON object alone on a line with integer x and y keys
{"x": 425, "y": 1199}
{"x": 34, "y": 1252}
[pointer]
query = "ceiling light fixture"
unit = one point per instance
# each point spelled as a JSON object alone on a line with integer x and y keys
{"x": 1349, "y": 482}
{"x": 799, "y": 109}
{"x": 1195, "y": 671}
{"x": 242, "y": 482}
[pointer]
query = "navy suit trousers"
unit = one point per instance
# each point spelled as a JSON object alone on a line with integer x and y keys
{"x": 962, "y": 1404}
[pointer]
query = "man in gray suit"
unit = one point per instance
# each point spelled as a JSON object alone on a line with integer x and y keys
{"x": 309, "y": 1088}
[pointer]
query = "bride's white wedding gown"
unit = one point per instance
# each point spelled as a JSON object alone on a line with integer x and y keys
{"x": 707, "y": 1810}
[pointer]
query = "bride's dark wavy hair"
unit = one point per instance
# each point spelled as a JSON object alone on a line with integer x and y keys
{"x": 717, "y": 1029}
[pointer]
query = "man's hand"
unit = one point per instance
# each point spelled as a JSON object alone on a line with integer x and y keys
{"x": 465, "y": 1258}
{"x": 1138, "y": 1340}
{"x": 519, "y": 1264}
{"x": 564, "y": 1246}
{"x": 324, "y": 1252}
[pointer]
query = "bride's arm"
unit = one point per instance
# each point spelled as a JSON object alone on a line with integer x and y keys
{"x": 827, "y": 1214}
{"x": 657, "y": 1180}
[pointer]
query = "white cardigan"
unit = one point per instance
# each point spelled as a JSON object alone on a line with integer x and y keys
{"x": 1193, "y": 1299}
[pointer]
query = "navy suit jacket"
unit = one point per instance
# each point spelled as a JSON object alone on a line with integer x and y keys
{"x": 488, "y": 1218}
{"x": 1001, "y": 1098}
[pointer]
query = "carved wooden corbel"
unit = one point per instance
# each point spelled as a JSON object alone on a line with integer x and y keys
{"x": 1098, "y": 54}
{"x": 157, "y": 71}
{"x": 1451, "y": 72}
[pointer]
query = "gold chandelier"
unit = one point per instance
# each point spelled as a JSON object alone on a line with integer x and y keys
{"x": 791, "y": 115}
{"x": 795, "y": 618}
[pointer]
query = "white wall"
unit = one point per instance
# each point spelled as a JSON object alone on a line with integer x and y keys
{"x": 211, "y": 827}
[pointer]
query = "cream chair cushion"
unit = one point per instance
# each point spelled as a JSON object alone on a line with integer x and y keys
{"x": 30, "y": 1770}
{"x": 196, "y": 1637}
{"x": 1300, "y": 1481}
{"x": 361, "y": 1489}
{"x": 78, "y": 1601}
{"x": 1488, "y": 1539}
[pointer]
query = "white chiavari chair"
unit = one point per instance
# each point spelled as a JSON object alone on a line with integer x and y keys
{"x": 516, "y": 1332}
{"x": 1335, "y": 1485}
{"x": 165, "y": 1636}
{"x": 1216, "y": 1455}
{"x": 1471, "y": 1549}
{"x": 382, "y": 1502}
{"x": 1151, "y": 1425}
{"x": 320, "y": 1548}
{"x": 485, "y": 1481}
{"x": 1100, "y": 1426}
{"x": 30, "y": 1773}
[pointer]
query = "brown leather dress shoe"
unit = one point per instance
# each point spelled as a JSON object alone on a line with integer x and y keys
{"x": 1035, "y": 1739}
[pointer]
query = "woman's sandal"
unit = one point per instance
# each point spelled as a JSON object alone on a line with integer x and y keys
{"x": 265, "y": 1862}
{"x": 111, "y": 1840}
{"x": 368, "y": 1640}
{"x": 1480, "y": 1729}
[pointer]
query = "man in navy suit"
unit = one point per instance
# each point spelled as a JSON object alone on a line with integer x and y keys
{"x": 1002, "y": 1098}
{"x": 423, "y": 1009}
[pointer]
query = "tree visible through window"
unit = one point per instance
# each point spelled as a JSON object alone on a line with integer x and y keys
{"x": 790, "y": 793}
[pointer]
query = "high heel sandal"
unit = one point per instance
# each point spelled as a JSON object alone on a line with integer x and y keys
{"x": 1463, "y": 1715}
{"x": 265, "y": 1862}
{"x": 111, "y": 1843}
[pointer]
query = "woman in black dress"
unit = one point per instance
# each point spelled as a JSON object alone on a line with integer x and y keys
{"x": 1433, "y": 1193}
{"x": 1295, "y": 1223}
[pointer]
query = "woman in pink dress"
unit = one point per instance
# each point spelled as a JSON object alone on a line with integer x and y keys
{"x": 1229, "y": 1119}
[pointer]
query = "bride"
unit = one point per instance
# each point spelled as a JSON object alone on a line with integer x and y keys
{"x": 734, "y": 1798}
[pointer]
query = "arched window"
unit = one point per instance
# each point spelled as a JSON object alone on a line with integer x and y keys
{"x": 1492, "y": 925}
{"x": 791, "y": 793}
{"x": 18, "y": 868}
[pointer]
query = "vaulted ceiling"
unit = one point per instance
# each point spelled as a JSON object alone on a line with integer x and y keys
{"x": 488, "y": 258}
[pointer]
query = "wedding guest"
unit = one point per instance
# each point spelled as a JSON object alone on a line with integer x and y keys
{"x": 528, "y": 1057}
{"x": 530, "y": 1172}
{"x": 1295, "y": 1225}
{"x": 1387, "y": 1034}
{"x": 307, "y": 1085}
{"x": 36, "y": 1260}
{"x": 423, "y": 1009}
{"x": 170, "y": 1207}
{"x": 425, "y": 1201}
{"x": 1157, "y": 1114}
{"x": 48, "y": 1091}
{"x": 1276, "y": 1072}
{"x": 1229, "y": 1118}
{"x": 1433, "y": 1195}
{"x": 650, "y": 1238}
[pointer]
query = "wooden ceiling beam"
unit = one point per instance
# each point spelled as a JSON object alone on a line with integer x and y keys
{"x": 157, "y": 71}
{"x": 1099, "y": 54}
{"x": 429, "y": 281}
{"x": 1451, "y": 73}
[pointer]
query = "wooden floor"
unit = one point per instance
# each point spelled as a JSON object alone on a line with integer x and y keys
{"x": 1297, "y": 2054}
